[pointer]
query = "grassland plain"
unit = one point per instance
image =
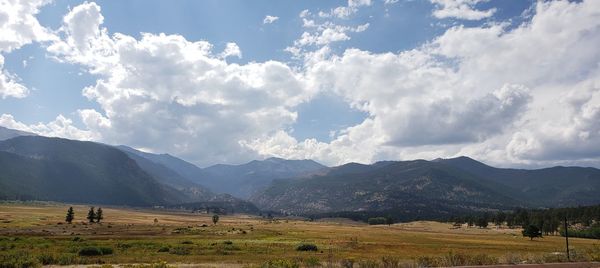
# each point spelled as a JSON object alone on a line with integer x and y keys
{"x": 36, "y": 232}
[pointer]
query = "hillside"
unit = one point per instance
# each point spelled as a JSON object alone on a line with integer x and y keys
{"x": 183, "y": 168}
{"x": 7, "y": 133}
{"x": 547, "y": 187}
{"x": 169, "y": 177}
{"x": 42, "y": 168}
{"x": 410, "y": 188}
{"x": 246, "y": 179}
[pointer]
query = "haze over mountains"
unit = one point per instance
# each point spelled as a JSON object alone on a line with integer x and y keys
{"x": 42, "y": 168}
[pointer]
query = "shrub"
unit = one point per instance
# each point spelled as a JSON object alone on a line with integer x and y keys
{"x": 180, "y": 250}
{"x": 90, "y": 251}
{"x": 95, "y": 251}
{"x": 18, "y": 260}
{"x": 106, "y": 250}
{"x": 187, "y": 242}
{"x": 228, "y": 242}
{"x": 46, "y": 259}
{"x": 307, "y": 247}
{"x": 164, "y": 249}
{"x": 281, "y": 264}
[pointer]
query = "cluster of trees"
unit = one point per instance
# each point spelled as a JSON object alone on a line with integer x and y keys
{"x": 93, "y": 216}
{"x": 380, "y": 220}
{"x": 545, "y": 221}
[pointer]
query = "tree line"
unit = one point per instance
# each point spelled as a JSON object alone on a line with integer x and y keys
{"x": 92, "y": 216}
{"x": 583, "y": 221}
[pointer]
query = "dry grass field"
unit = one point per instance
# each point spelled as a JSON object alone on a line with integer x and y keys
{"x": 36, "y": 232}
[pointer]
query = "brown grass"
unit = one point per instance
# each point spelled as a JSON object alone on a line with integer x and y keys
{"x": 136, "y": 239}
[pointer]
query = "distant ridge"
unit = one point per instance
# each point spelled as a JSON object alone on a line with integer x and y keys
{"x": 411, "y": 189}
{"x": 246, "y": 179}
{"x": 41, "y": 168}
{"x": 7, "y": 133}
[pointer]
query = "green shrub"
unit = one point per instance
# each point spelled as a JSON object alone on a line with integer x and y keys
{"x": 18, "y": 260}
{"x": 187, "y": 242}
{"x": 106, "y": 250}
{"x": 95, "y": 251}
{"x": 46, "y": 259}
{"x": 307, "y": 247}
{"x": 227, "y": 242}
{"x": 180, "y": 250}
{"x": 164, "y": 249}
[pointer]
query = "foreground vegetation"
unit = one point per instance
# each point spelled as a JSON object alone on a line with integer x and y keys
{"x": 35, "y": 234}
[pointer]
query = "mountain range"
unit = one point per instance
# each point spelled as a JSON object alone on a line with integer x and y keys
{"x": 42, "y": 168}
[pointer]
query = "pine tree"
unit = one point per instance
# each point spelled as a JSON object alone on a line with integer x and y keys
{"x": 532, "y": 231}
{"x": 99, "y": 215}
{"x": 70, "y": 215}
{"x": 91, "y": 215}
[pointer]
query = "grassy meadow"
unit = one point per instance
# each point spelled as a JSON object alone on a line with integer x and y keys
{"x": 37, "y": 233}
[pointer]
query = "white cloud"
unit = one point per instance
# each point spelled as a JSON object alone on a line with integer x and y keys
{"x": 460, "y": 9}
{"x": 173, "y": 95}
{"x": 323, "y": 35}
{"x": 60, "y": 127}
{"x": 528, "y": 95}
{"x": 270, "y": 19}
{"x": 231, "y": 50}
{"x": 9, "y": 85}
{"x": 344, "y": 12}
{"x": 18, "y": 27}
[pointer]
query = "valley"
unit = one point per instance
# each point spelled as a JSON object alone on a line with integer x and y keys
{"x": 240, "y": 240}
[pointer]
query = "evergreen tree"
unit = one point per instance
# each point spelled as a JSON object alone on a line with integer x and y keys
{"x": 70, "y": 215}
{"x": 532, "y": 231}
{"x": 99, "y": 215}
{"x": 215, "y": 219}
{"x": 482, "y": 222}
{"x": 91, "y": 215}
{"x": 499, "y": 218}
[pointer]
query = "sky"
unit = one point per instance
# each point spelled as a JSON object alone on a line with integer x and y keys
{"x": 513, "y": 83}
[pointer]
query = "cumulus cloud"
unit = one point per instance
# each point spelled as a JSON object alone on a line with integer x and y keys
{"x": 460, "y": 9}
{"x": 9, "y": 85}
{"x": 174, "y": 95}
{"x": 61, "y": 127}
{"x": 270, "y": 19}
{"x": 18, "y": 27}
{"x": 483, "y": 91}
